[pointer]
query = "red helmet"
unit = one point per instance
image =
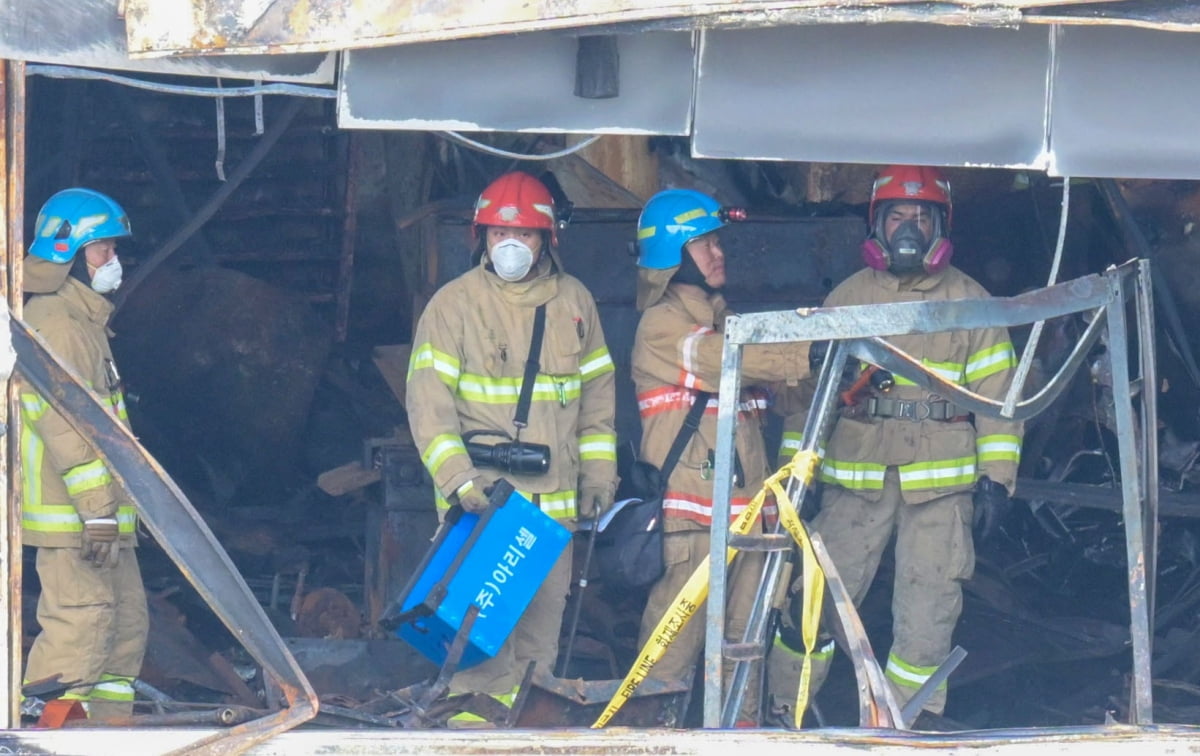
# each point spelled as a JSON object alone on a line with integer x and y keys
{"x": 519, "y": 200}
{"x": 909, "y": 183}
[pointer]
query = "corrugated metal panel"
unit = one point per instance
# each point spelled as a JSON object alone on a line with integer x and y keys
{"x": 158, "y": 27}
{"x": 517, "y": 83}
{"x": 91, "y": 33}
{"x": 874, "y": 94}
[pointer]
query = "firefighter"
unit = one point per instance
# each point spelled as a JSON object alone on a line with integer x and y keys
{"x": 92, "y": 608}
{"x": 465, "y": 376}
{"x": 904, "y": 463}
{"x": 676, "y": 354}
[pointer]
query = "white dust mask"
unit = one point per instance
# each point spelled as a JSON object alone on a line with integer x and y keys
{"x": 511, "y": 259}
{"x": 107, "y": 277}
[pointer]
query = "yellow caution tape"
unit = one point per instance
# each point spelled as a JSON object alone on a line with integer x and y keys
{"x": 695, "y": 591}
{"x": 813, "y": 596}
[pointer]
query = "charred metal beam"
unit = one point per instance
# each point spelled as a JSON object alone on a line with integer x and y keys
{"x": 182, "y": 533}
{"x": 12, "y": 124}
{"x": 1136, "y": 243}
{"x": 1172, "y": 504}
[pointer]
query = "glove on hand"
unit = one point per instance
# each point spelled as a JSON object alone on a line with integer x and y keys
{"x": 100, "y": 544}
{"x": 473, "y": 495}
{"x": 991, "y": 506}
{"x": 594, "y": 502}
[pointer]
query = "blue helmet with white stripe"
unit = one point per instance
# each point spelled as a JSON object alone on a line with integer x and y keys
{"x": 669, "y": 220}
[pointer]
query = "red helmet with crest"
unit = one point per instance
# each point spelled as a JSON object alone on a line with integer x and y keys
{"x": 518, "y": 200}
{"x": 899, "y": 184}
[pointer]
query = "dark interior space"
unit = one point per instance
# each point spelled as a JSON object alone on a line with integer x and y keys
{"x": 255, "y": 356}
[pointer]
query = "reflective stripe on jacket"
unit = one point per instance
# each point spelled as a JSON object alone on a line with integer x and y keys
{"x": 933, "y": 458}
{"x": 64, "y": 480}
{"x": 676, "y": 353}
{"x": 465, "y": 375}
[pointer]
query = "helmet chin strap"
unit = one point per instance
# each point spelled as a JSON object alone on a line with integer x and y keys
{"x": 689, "y": 273}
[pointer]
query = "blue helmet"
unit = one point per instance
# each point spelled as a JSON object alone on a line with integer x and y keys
{"x": 72, "y": 218}
{"x": 669, "y": 220}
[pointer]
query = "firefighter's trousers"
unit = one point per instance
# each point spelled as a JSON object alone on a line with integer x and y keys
{"x": 94, "y": 625}
{"x": 535, "y": 638}
{"x": 683, "y": 552}
{"x": 934, "y": 554}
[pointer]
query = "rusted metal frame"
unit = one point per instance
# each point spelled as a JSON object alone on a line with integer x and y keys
{"x": 214, "y": 202}
{"x": 1141, "y": 709}
{"x": 877, "y": 703}
{"x": 879, "y": 352}
{"x": 866, "y": 324}
{"x": 160, "y": 165}
{"x": 816, "y": 428}
{"x": 12, "y": 156}
{"x": 345, "y": 279}
{"x": 158, "y": 28}
{"x": 182, "y": 534}
{"x": 1147, "y": 365}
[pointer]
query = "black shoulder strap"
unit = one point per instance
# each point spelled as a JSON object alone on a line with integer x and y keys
{"x": 690, "y": 424}
{"x": 521, "y": 418}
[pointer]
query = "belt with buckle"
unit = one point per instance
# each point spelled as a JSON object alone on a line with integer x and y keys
{"x": 916, "y": 410}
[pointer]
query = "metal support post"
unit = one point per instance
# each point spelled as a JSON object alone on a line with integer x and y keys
{"x": 714, "y": 636}
{"x": 1132, "y": 479}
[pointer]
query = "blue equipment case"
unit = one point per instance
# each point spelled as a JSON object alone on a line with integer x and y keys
{"x": 496, "y": 561}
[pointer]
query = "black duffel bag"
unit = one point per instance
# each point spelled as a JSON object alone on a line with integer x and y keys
{"x": 629, "y": 546}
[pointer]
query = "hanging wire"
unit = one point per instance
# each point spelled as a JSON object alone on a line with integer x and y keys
{"x": 454, "y": 136}
{"x": 72, "y": 72}
{"x": 1035, "y": 334}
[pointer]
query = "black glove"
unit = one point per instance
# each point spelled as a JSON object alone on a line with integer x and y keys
{"x": 992, "y": 505}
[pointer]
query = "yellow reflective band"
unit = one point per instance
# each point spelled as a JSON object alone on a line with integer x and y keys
{"x": 695, "y": 590}
{"x": 596, "y": 364}
{"x": 647, "y": 232}
{"x": 33, "y": 406}
{"x": 937, "y": 474}
{"x": 86, "y": 477}
{"x": 32, "y": 450}
{"x": 113, "y": 688}
{"x": 598, "y": 446}
{"x": 998, "y": 447}
{"x": 990, "y": 361}
{"x": 951, "y": 371}
{"x": 909, "y": 675}
{"x": 690, "y": 215}
{"x": 117, "y": 402}
{"x": 789, "y": 445}
{"x": 487, "y": 390}
{"x": 559, "y": 505}
{"x": 50, "y": 518}
{"x": 441, "y": 448}
{"x": 445, "y": 365}
{"x": 854, "y": 475}
{"x": 126, "y": 519}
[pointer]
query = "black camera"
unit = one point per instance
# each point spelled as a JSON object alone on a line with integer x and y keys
{"x": 516, "y": 457}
